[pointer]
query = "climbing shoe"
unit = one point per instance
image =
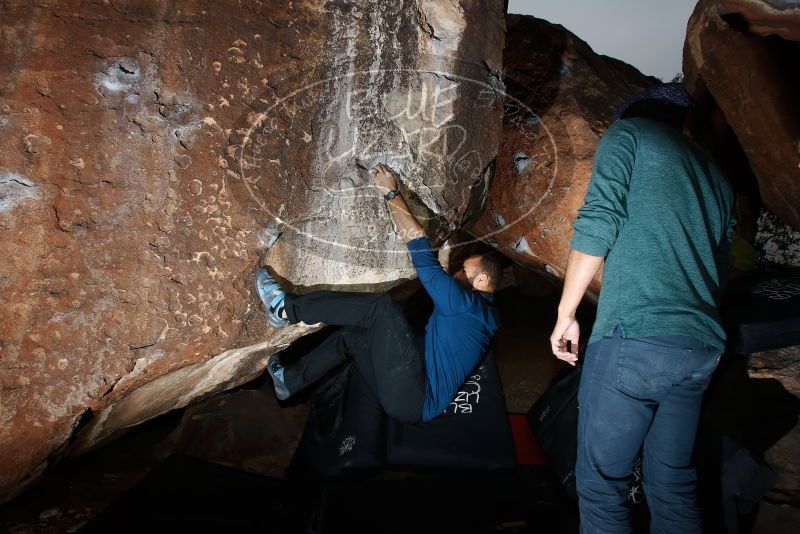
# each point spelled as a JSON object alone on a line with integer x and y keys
{"x": 275, "y": 370}
{"x": 272, "y": 296}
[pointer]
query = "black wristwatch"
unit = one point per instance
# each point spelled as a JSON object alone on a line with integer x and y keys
{"x": 391, "y": 194}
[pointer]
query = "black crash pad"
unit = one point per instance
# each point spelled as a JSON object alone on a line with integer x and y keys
{"x": 348, "y": 431}
{"x": 473, "y": 433}
{"x": 762, "y": 311}
{"x": 346, "y": 428}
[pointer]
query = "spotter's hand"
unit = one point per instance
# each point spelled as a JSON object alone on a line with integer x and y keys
{"x": 383, "y": 178}
{"x": 564, "y": 339}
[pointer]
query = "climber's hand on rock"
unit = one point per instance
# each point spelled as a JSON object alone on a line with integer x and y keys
{"x": 383, "y": 178}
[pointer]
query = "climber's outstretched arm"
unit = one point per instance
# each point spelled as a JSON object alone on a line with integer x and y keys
{"x": 407, "y": 225}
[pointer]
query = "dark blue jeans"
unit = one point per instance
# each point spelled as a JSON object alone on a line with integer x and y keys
{"x": 641, "y": 396}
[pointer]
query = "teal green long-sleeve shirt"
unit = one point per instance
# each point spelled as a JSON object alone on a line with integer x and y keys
{"x": 659, "y": 211}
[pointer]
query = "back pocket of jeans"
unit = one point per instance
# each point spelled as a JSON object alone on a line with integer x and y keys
{"x": 646, "y": 370}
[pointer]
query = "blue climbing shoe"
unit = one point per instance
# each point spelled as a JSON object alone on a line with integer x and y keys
{"x": 272, "y": 297}
{"x": 275, "y": 370}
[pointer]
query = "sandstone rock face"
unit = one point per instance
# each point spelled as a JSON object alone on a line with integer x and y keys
{"x": 783, "y": 365}
{"x": 754, "y": 82}
{"x": 562, "y": 97}
{"x": 765, "y": 17}
{"x": 246, "y": 429}
{"x": 150, "y": 152}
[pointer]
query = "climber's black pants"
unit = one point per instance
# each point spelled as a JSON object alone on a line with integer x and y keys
{"x": 375, "y": 334}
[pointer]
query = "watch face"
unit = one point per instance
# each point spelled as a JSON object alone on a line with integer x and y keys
{"x": 391, "y": 194}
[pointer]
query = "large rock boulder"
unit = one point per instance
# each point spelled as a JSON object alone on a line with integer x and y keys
{"x": 562, "y": 97}
{"x": 764, "y": 17}
{"x": 744, "y": 54}
{"x": 151, "y": 152}
{"x": 783, "y": 366}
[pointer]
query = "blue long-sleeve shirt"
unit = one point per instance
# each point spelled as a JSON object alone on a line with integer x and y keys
{"x": 458, "y": 331}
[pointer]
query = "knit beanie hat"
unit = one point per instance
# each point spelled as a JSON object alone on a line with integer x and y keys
{"x": 667, "y": 93}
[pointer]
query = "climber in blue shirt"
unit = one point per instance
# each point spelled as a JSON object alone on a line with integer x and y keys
{"x": 413, "y": 384}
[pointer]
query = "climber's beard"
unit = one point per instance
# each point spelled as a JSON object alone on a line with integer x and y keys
{"x": 462, "y": 278}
